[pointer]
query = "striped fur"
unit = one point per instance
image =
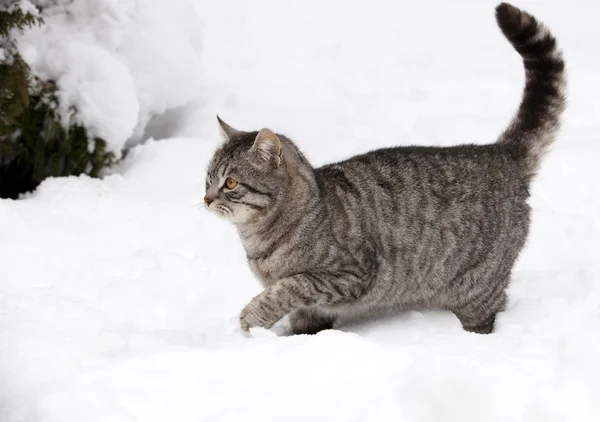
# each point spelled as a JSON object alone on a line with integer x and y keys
{"x": 537, "y": 122}
{"x": 396, "y": 228}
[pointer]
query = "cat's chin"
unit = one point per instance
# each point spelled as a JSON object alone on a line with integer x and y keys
{"x": 241, "y": 216}
{"x": 223, "y": 216}
{"x": 221, "y": 213}
{"x": 234, "y": 217}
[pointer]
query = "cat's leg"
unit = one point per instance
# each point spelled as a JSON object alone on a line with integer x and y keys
{"x": 310, "y": 321}
{"x": 299, "y": 292}
{"x": 479, "y": 326}
{"x": 479, "y": 315}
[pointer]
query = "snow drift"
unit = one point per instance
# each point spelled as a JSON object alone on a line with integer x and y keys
{"x": 117, "y": 63}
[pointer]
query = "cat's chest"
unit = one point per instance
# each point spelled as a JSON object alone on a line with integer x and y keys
{"x": 271, "y": 262}
{"x": 275, "y": 264}
{"x": 265, "y": 269}
{"x": 260, "y": 259}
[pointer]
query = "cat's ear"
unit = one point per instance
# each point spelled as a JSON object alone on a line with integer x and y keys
{"x": 227, "y": 132}
{"x": 268, "y": 146}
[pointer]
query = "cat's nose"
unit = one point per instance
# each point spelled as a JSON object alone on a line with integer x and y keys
{"x": 208, "y": 200}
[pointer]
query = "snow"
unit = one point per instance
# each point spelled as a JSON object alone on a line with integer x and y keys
{"x": 119, "y": 297}
{"x": 114, "y": 61}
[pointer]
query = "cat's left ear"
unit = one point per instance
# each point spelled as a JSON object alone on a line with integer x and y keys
{"x": 227, "y": 132}
{"x": 268, "y": 146}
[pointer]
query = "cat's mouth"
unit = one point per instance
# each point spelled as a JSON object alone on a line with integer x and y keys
{"x": 221, "y": 210}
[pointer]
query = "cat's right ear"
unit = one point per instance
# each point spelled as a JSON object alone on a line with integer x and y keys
{"x": 268, "y": 146}
{"x": 227, "y": 132}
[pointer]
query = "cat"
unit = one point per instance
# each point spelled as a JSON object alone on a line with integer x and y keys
{"x": 396, "y": 228}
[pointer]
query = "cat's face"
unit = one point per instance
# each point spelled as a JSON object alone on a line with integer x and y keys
{"x": 245, "y": 176}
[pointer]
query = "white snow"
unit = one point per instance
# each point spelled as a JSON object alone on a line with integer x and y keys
{"x": 119, "y": 297}
{"x": 118, "y": 63}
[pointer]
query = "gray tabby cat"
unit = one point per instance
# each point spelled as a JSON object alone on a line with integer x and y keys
{"x": 396, "y": 228}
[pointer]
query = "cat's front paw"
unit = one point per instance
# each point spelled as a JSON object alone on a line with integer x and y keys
{"x": 254, "y": 316}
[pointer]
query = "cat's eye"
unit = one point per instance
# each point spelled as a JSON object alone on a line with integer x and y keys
{"x": 230, "y": 183}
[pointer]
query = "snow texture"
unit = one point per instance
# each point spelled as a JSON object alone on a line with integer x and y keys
{"x": 119, "y": 298}
{"x": 118, "y": 63}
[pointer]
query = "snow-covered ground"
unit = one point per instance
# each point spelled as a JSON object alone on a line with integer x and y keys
{"x": 119, "y": 298}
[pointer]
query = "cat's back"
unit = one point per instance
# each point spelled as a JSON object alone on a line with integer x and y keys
{"x": 459, "y": 172}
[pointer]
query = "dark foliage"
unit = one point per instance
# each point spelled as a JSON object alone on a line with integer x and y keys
{"x": 34, "y": 143}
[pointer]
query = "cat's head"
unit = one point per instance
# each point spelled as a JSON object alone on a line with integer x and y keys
{"x": 248, "y": 174}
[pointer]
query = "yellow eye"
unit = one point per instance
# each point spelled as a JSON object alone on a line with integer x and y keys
{"x": 230, "y": 183}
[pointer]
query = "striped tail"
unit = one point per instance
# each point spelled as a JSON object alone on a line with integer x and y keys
{"x": 537, "y": 122}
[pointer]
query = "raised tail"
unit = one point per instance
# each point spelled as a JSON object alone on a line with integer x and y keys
{"x": 537, "y": 122}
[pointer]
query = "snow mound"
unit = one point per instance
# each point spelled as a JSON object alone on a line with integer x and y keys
{"x": 118, "y": 63}
{"x": 120, "y": 297}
